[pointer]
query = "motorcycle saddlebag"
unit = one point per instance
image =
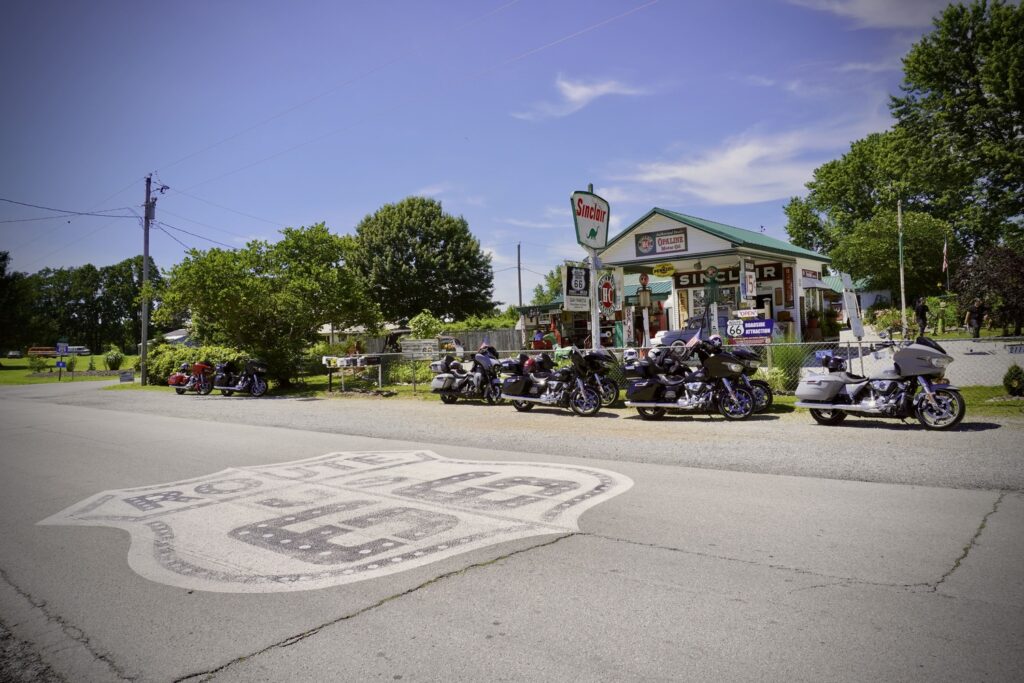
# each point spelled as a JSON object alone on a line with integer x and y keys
{"x": 177, "y": 379}
{"x": 442, "y": 382}
{"x": 819, "y": 388}
{"x": 642, "y": 390}
{"x": 514, "y": 385}
{"x": 437, "y": 366}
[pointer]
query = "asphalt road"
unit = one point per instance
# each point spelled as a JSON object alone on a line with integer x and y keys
{"x": 770, "y": 550}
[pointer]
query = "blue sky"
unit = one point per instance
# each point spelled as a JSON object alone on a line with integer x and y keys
{"x": 260, "y": 115}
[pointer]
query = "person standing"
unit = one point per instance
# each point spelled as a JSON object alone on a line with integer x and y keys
{"x": 921, "y": 312}
{"x": 975, "y": 316}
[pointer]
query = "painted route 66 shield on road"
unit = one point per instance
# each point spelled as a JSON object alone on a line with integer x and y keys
{"x": 337, "y": 518}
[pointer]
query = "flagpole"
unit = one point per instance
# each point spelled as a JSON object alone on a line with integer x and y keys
{"x": 903, "y": 289}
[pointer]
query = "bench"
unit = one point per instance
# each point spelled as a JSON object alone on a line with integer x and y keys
{"x": 50, "y": 351}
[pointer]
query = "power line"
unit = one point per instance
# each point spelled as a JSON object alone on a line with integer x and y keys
{"x": 202, "y": 237}
{"x": 227, "y": 208}
{"x": 205, "y": 225}
{"x": 103, "y": 213}
{"x": 161, "y": 229}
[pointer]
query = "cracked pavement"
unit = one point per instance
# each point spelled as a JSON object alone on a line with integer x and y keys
{"x": 691, "y": 574}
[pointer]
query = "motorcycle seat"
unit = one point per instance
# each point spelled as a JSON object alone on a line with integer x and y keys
{"x": 849, "y": 377}
{"x": 671, "y": 380}
{"x": 540, "y": 377}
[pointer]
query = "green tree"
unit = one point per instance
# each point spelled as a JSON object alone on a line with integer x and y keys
{"x": 963, "y": 111}
{"x": 425, "y": 326}
{"x": 871, "y": 251}
{"x": 550, "y": 289}
{"x": 16, "y": 301}
{"x": 269, "y": 299}
{"x": 415, "y": 257}
{"x": 121, "y": 302}
{"x": 996, "y": 276}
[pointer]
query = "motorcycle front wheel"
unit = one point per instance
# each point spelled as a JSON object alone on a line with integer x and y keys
{"x": 609, "y": 392}
{"x": 493, "y": 395}
{"x": 828, "y": 417}
{"x": 739, "y": 408}
{"x": 947, "y": 412}
{"x": 763, "y": 397}
{"x": 449, "y": 399}
{"x": 205, "y": 386}
{"x": 259, "y": 387}
{"x": 651, "y": 413}
{"x": 522, "y": 406}
{"x": 585, "y": 402}
{"x": 179, "y": 391}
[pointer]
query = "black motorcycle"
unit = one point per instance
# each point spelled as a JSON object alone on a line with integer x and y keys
{"x": 539, "y": 382}
{"x": 599, "y": 364}
{"x": 758, "y": 388}
{"x": 663, "y": 382}
{"x": 481, "y": 381}
{"x": 252, "y": 378}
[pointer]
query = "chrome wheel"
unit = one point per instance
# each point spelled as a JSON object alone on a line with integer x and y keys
{"x": 585, "y": 401}
{"x": 947, "y": 412}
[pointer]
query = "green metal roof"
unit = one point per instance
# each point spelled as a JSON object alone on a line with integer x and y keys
{"x": 836, "y": 283}
{"x": 737, "y": 236}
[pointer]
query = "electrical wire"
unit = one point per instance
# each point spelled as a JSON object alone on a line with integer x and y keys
{"x": 103, "y": 213}
{"x": 160, "y": 228}
{"x": 205, "y": 225}
{"x": 227, "y": 208}
{"x": 202, "y": 237}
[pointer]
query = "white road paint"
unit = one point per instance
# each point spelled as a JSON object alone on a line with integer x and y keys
{"x": 337, "y": 518}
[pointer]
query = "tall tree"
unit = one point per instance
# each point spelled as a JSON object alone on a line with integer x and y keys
{"x": 415, "y": 257}
{"x": 16, "y": 299}
{"x": 963, "y": 112}
{"x": 550, "y": 289}
{"x": 995, "y": 276}
{"x": 269, "y": 300}
{"x": 871, "y": 251}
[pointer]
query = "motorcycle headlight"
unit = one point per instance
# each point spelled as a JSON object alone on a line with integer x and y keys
{"x": 734, "y": 367}
{"x": 941, "y": 362}
{"x": 753, "y": 364}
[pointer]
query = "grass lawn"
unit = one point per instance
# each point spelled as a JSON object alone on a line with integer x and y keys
{"x": 17, "y": 370}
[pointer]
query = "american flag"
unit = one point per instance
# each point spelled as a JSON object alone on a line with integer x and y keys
{"x": 945, "y": 262}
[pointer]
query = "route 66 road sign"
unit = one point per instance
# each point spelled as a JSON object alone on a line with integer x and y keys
{"x": 337, "y": 518}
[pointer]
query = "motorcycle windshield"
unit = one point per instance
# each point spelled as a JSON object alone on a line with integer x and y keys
{"x": 484, "y": 361}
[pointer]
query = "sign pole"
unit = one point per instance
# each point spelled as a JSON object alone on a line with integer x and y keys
{"x": 595, "y": 305}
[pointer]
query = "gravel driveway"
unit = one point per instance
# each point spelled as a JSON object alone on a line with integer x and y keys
{"x": 982, "y": 453}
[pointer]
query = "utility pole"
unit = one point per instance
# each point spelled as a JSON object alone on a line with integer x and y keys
{"x": 903, "y": 289}
{"x": 519, "y": 270}
{"x": 150, "y": 214}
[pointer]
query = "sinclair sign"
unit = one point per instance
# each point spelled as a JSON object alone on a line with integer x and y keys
{"x": 590, "y": 213}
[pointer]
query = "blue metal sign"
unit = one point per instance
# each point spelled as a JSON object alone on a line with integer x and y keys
{"x": 757, "y": 328}
{"x": 62, "y": 349}
{"x": 61, "y": 364}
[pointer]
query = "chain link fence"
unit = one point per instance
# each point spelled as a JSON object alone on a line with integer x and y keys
{"x": 976, "y": 362}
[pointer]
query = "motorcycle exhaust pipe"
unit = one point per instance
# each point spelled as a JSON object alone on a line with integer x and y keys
{"x": 678, "y": 406}
{"x": 843, "y": 406}
{"x": 528, "y": 399}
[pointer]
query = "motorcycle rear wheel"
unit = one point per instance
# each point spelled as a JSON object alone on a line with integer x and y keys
{"x": 522, "y": 406}
{"x": 449, "y": 399}
{"x": 179, "y": 391}
{"x": 585, "y": 402}
{"x": 828, "y": 417}
{"x": 951, "y": 410}
{"x": 651, "y": 413}
{"x": 739, "y": 408}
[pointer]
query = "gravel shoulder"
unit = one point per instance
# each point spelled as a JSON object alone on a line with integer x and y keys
{"x": 982, "y": 453}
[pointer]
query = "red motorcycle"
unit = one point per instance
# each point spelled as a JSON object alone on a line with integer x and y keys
{"x": 198, "y": 378}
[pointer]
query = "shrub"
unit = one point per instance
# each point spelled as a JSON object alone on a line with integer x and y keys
{"x": 37, "y": 363}
{"x": 775, "y": 377}
{"x": 113, "y": 358}
{"x": 1013, "y": 380}
{"x": 312, "y": 358}
{"x": 72, "y": 362}
{"x": 164, "y": 360}
{"x": 92, "y": 363}
{"x": 788, "y": 360}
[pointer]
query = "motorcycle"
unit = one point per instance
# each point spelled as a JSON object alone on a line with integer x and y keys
{"x": 251, "y": 379}
{"x": 198, "y": 378}
{"x": 758, "y": 388}
{"x": 537, "y": 381}
{"x": 891, "y": 393}
{"x": 598, "y": 364}
{"x": 452, "y": 382}
{"x": 663, "y": 383}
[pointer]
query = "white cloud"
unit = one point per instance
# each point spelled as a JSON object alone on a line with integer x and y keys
{"x": 892, "y": 64}
{"x": 752, "y": 167}
{"x": 575, "y": 96}
{"x": 435, "y": 190}
{"x": 537, "y": 225}
{"x": 880, "y": 13}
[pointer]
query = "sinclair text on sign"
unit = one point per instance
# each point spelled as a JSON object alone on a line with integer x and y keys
{"x": 590, "y": 214}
